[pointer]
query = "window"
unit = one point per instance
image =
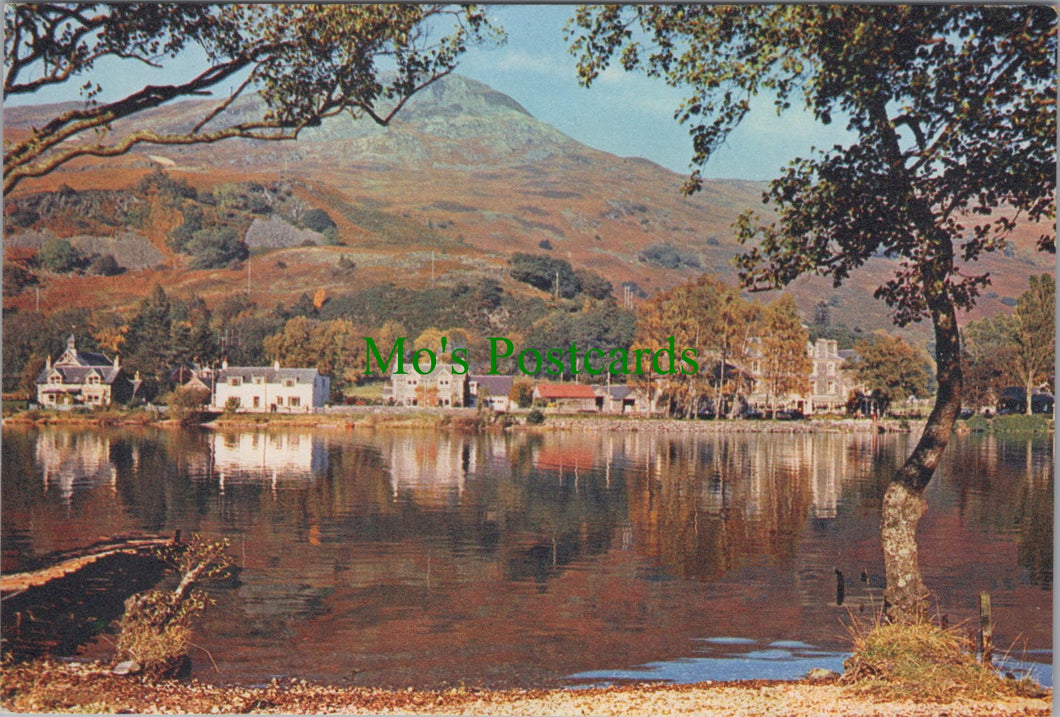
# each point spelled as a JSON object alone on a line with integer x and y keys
{"x": 294, "y": 402}
{"x": 831, "y": 387}
{"x": 55, "y": 378}
{"x": 92, "y": 379}
{"x": 279, "y": 401}
{"x": 288, "y": 383}
{"x": 831, "y": 368}
{"x": 235, "y": 381}
{"x": 257, "y": 402}
{"x": 259, "y": 380}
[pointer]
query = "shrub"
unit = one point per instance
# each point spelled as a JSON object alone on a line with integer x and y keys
{"x": 1022, "y": 423}
{"x": 155, "y": 629}
{"x": 186, "y": 404}
{"x": 59, "y": 256}
{"x": 105, "y": 265}
{"x": 667, "y": 256}
{"x": 535, "y": 417}
{"x": 216, "y": 248}
{"x": 318, "y": 220}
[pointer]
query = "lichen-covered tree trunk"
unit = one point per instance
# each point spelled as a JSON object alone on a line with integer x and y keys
{"x": 905, "y": 597}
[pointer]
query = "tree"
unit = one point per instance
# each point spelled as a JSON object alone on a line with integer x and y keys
{"x": 306, "y": 62}
{"x": 522, "y": 392}
{"x": 987, "y": 356}
{"x": 785, "y": 365}
{"x": 147, "y": 342}
{"x": 953, "y": 115}
{"x": 888, "y": 365}
{"x": 704, "y": 315}
{"x": 335, "y": 348}
{"x": 1035, "y": 338}
{"x": 545, "y": 273}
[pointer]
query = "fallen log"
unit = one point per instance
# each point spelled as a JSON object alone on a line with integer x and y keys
{"x": 70, "y": 562}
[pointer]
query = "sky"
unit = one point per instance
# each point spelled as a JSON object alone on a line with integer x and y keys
{"x": 626, "y": 114}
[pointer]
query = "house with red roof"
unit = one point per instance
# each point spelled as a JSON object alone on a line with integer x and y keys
{"x": 566, "y": 397}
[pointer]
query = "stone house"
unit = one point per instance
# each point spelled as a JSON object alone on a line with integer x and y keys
{"x": 441, "y": 387}
{"x": 83, "y": 378}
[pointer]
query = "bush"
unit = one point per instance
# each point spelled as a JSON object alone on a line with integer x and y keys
{"x": 317, "y": 220}
{"x": 155, "y": 630}
{"x": 60, "y": 257}
{"x": 186, "y": 404}
{"x": 535, "y": 417}
{"x": 105, "y": 265}
{"x": 216, "y": 248}
{"x": 1022, "y": 423}
{"x": 667, "y": 256}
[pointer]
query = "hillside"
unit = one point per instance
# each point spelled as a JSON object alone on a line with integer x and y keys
{"x": 461, "y": 180}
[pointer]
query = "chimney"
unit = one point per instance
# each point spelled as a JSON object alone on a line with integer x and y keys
{"x": 49, "y": 364}
{"x": 117, "y": 361}
{"x": 276, "y": 364}
{"x": 224, "y": 364}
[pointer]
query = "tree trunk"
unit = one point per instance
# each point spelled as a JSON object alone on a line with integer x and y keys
{"x": 1028, "y": 388}
{"x": 905, "y": 598}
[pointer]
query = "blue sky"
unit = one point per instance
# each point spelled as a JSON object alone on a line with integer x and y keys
{"x": 626, "y": 113}
{"x": 623, "y": 113}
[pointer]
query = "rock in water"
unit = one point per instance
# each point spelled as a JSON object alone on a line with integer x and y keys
{"x": 819, "y": 673}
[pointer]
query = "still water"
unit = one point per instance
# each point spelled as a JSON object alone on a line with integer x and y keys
{"x": 400, "y": 558}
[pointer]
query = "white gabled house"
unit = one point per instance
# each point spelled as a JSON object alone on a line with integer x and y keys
{"x": 259, "y": 389}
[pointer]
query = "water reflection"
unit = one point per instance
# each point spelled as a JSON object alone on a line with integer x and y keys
{"x": 398, "y": 558}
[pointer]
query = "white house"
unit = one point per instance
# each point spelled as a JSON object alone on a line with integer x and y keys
{"x": 491, "y": 391}
{"x": 272, "y": 389}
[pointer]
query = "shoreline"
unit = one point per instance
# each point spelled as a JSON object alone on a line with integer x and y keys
{"x": 45, "y": 686}
{"x": 468, "y": 420}
{"x": 371, "y": 417}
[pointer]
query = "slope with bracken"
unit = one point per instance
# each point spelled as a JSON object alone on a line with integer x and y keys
{"x": 463, "y": 178}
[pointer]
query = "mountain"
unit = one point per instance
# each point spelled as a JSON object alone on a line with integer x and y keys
{"x": 460, "y": 180}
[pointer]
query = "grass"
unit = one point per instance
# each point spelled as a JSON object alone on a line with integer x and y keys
{"x": 922, "y": 660}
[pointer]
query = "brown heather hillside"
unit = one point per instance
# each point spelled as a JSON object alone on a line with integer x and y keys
{"x": 464, "y": 178}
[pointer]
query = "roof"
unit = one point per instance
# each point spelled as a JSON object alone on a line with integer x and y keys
{"x": 565, "y": 390}
{"x": 617, "y": 392}
{"x": 271, "y": 374}
{"x": 76, "y": 375}
{"x": 497, "y": 385}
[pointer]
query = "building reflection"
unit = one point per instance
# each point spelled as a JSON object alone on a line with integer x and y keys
{"x": 256, "y": 457}
{"x": 75, "y": 460}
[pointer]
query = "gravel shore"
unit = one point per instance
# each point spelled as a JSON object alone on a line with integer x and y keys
{"x": 60, "y": 687}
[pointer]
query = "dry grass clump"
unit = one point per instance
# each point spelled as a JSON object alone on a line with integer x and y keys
{"x": 921, "y": 661}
